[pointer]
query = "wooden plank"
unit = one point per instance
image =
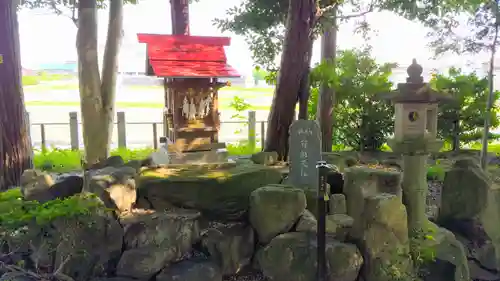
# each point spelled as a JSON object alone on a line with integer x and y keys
{"x": 187, "y": 53}
{"x": 165, "y": 39}
{"x": 193, "y": 69}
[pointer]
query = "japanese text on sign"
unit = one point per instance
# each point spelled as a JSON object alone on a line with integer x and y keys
{"x": 303, "y": 158}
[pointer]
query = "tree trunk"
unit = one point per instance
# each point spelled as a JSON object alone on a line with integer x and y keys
{"x": 97, "y": 99}
{"x": 326, "y": 97}
{"x": 15, "y": 145}
{"x": 293, "y": 63}
{"x": 304, "y": 89}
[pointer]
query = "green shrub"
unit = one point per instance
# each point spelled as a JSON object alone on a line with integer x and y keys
{"x": 436, "y": 172}
{"x": 30, "y": 80}
{"x": 15, "y": 213}
{"x": 241, "y": 148}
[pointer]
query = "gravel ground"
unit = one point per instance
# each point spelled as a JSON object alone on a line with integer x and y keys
{"x": 246, "y": 275}
{"x": 434, "y": 198}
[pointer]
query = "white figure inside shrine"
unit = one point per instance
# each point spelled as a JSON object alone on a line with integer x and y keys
{"x": 192, "y": 110}
{"x": 201, "y": 108}
{"x": 207, "y": 103}
{"x": 185, "y": 108}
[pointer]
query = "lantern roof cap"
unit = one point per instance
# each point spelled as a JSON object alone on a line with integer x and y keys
{"x": 415, "y": 90}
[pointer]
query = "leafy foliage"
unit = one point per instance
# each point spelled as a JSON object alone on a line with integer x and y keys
{"x": 361, "y": 122}
{"x": 65, "y": 7}
{"x": 16, "y": 213}
{"x": 470, "y": 93}
{"x": 262, "y": 23}
{"x": 474, "y": 31}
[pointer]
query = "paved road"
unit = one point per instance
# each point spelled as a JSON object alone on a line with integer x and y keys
{"x": 138, "y": 135}
{"x": 146, "y": 96}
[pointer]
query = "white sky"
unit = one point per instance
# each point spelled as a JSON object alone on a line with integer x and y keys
{"x": 46, "y": 38}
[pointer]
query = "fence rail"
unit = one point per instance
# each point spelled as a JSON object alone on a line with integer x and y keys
{"x": 73, "y": 136}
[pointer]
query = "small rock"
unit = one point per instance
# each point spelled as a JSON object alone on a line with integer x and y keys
{"x": 191, "y": 271}
{"x": 337, "y": 204}
{"x": 265, "y": 158}
{"x": 115, "y": 187}
{"x": 274, "y": 209}
{"x": 307, "y": 222}
{"x": 230, "y": 246}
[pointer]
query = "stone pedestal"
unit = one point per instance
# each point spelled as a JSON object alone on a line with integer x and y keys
{"x": 415, "y": 154}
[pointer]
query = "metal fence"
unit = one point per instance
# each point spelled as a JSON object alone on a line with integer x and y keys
{"x": 137, "y": 134}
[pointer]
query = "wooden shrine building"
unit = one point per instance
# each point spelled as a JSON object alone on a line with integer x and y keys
{"x": 191, "y": 66}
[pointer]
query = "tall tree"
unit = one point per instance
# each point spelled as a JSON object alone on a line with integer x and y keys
{"x": 326, "y": 97}
{"x": 14, "y": 141}
{"x": 97, "y": 89}
{"x": 264, "y": 22}
{"x": 290, "y": 27}
{"x": 472, "y": 27}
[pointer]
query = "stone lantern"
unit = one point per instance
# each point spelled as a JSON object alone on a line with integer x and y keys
{"x": 416, "y": 106}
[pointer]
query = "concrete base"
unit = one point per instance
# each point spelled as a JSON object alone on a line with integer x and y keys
{"x": 199, "y": 157}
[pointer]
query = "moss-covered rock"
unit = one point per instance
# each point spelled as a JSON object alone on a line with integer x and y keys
{"x": 231, "y": 247}
{"x": 470, "y": 207}
{"x": 337, "y": 204}
{"x": 383, "y": 238}
{"x": 78, "y": 236}
{"x": 219, "y": 191}
{"x": 292, "y": 257}
{"x": 155, "y": 239}
{"x": 274, "y": 209}
{"x": 191, "y": 270}
{"x": 445, "y": 249}
{"x": 363, "y": 182}
{"x": 265, "y": 158}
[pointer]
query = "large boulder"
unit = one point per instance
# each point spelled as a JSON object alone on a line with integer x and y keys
{"x": 191, "y": 270}
{"x": 361, "y": 183}
{"x": 292, "y": 257}
{"x": 449, "y": 258}
{"x": 383, "y": 238}
{"x": 80, "y": 246}
{"x": 219, "y": 191}
{"x": 230, "y": 246}
{"x": 470, "y": 207}
{"x": 338, "y": 225}
{"x": 155, "y": 239}
{"x": 274, "y": 209}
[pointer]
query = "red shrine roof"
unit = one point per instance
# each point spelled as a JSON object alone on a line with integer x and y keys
{"x": 187, "y": 56}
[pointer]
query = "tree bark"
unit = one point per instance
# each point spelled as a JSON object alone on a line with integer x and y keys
{"x": 96, "y": 97}
{"x": 304, "y": 89}
{"x": 294, "y": 60}
{"x": 15, "y": 145}
{"x": 326, "y": 97}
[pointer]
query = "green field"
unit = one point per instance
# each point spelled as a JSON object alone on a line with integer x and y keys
{"x": 224, "y": 106}
{"x": 71, "y": 86}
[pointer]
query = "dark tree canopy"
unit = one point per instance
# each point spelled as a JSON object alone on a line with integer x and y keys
{"x": 262, "y": 22}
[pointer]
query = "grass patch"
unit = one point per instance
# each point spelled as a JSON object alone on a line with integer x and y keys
{"x": 129, "y": 104}
{"x": 66, "y": 160}
{"x": 66, "y": 87}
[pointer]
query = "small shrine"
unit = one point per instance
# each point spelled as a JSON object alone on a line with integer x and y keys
{"x": 191, "y": 66}
{"x": 415, "y": 137}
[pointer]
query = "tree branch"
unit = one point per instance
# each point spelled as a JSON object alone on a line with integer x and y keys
{"x": 53, "y": 5}
{"x": 360, "y": 14}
